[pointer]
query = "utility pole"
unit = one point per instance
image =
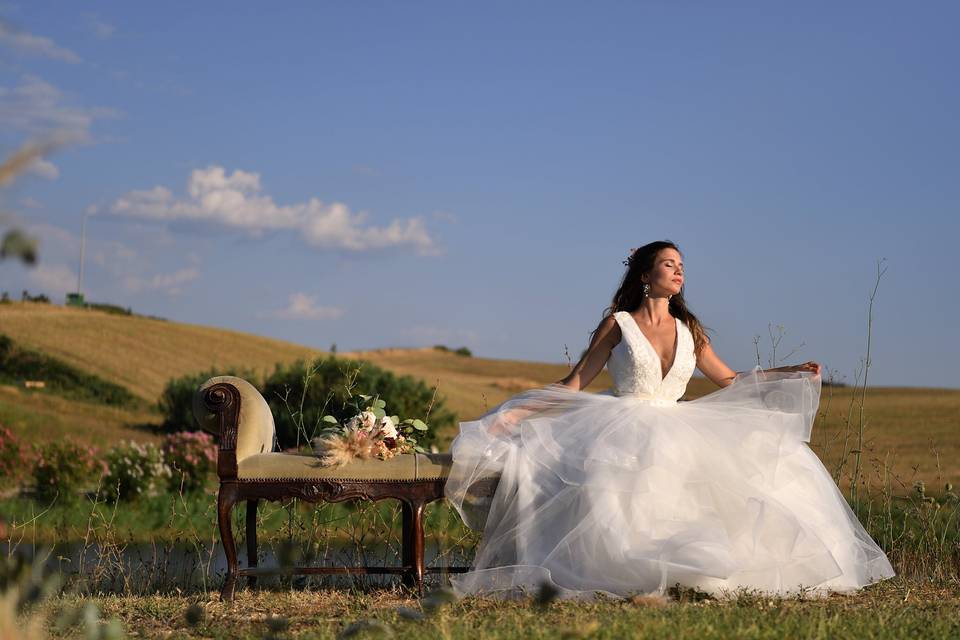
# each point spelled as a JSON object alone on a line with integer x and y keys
{"x": 76, "y": 299}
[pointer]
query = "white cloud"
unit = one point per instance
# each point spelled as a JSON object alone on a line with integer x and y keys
{"x": 236, "y": 201}
{"x": 38, "y": 108}
{"x": 113, "y": 255}
{"x": 102, "y": 30}
{"x": 44, "y": 169}
{"x": 304, "y": 307}
{"x": 429, "y": 335}
{"x": 169, "y": 283}
{"x": 54, "y": 238}
{"x": 28, "y": 44}
{"x": 365, "y": 170}
{"x": 58, "y": 243}
{"x": 446, "y": 216}
{"x": 52, "y": 279}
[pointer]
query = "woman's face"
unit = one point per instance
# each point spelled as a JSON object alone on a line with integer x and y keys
{"x": 666, "y": 277}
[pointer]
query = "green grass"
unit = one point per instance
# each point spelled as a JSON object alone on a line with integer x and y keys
{"x": 169, "y": 517}
{"x": 895, "y": 609}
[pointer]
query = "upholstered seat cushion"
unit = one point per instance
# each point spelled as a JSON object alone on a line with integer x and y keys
{"x": 295, "y": 466}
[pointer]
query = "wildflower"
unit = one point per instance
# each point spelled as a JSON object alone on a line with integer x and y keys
{"x": 387, "y": 428}
{"x": 368, "y": 420}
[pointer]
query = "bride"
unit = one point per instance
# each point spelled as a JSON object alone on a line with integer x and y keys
{"x": 629, "y": 491}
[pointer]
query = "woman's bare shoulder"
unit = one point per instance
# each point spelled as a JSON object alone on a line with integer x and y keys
{"x": 608, "y": 329}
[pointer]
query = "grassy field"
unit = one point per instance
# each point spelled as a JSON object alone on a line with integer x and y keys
{"x": 914, "y": 432}
{"x": 895, "y": 610}
{"x": 910, "y": 434}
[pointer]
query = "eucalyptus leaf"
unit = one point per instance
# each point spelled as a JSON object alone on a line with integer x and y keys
{"x": 419, "y": 425}
{"x": 330, "y": 419}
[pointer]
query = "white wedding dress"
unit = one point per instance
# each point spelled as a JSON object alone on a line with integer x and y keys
{"x": 630, "y": 492}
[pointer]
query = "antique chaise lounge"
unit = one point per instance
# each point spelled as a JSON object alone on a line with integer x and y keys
{"x": 250, "y": 470}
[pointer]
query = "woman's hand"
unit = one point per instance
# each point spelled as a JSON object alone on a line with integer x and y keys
{"x": 505, "y": 422}
{"x": 811, "y": 367}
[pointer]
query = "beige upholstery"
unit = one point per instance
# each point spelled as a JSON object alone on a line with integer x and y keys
{"x": 255, "y": 432}
{"x": 293, "y": 466}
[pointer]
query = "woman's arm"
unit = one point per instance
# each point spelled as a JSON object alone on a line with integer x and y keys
{"x": 591, "y": 364}
{"x": 717, "y": 370}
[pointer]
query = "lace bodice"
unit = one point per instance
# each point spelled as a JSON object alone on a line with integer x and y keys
{"x": 635, "y": 365}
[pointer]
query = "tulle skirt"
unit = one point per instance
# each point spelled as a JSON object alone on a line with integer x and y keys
{"x": 628, "y": 495}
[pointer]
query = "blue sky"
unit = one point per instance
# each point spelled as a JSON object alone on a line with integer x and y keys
{"x": 408, "y": 174}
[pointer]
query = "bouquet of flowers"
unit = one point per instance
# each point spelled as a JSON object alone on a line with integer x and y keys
{"x": 370, "y": 433}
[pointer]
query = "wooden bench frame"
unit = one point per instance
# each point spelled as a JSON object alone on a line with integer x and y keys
{"x": 223, "y": 400}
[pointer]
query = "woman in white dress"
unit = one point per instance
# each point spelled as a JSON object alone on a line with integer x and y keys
{"x": 628, "y": 492}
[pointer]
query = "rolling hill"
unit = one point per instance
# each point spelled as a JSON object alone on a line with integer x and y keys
{"x": 916, "y": 432}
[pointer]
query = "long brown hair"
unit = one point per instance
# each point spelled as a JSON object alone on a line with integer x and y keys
{"x": 630, "y": 293}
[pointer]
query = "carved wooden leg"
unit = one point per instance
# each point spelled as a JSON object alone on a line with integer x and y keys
{"x": 252, "y": 539}
{"x": 412, "y": 554}
{"x": 226, "y": 498}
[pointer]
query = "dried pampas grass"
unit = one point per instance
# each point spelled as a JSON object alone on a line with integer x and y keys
{"x": 338, "y": 449}
{"x": 650, "y": 601}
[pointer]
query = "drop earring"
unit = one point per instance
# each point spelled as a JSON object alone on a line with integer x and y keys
{"x": 646, "y": 289}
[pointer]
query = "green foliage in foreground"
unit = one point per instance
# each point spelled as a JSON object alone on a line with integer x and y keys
{"x": 169, "y": 517}
{"x": 920, "y": 603}
{"x": 18, "y": 364}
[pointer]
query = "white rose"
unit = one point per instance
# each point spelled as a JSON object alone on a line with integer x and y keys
{"x": 368, "y": 420}
{"x": 387, "y": 427}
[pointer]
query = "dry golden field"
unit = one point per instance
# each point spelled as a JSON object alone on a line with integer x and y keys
{"x": 139, "y": 353}
{"x": 910, "y": 429}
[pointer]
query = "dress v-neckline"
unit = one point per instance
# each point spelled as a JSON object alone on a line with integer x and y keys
{"x": 676, "y": 345}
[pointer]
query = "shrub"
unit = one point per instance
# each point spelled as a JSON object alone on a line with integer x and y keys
{"x": 12, "y": 455}
{"x": 176, "y": 401}
{"x": 63, "y": 467}
{"x": 40, "y": 297}
{"x": 463, "y": 351}
{"x": 331, "y": 384}
{"x": 61, "y": 378}
{"x": 135, "y": 469}
{"x": 192, "y": 457}
{"x": 110, "y": 308}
